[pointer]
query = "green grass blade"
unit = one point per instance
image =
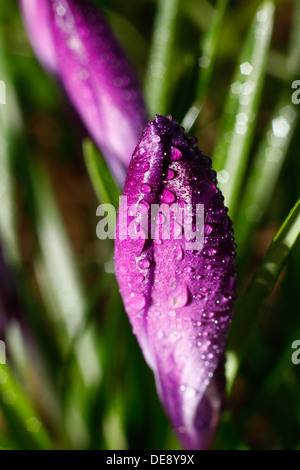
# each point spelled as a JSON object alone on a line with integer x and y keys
{"x": 58, "y": 276}
{"x": 253, "y": 301}
{"x": 209, "y": 48}
{"x": 231, "y": 153}
{"x": 158, "y": 75}
{"x": 265, "y": 169}
{"x": 25, "y": 423}
{"x": 68, "y": 309}
{"x": 103, "y": 183}
{"x": 294, "y": 46}
{"x": 10, "y": 124}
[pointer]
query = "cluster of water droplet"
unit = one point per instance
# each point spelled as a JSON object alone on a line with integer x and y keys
{"x": 184, "y": 298}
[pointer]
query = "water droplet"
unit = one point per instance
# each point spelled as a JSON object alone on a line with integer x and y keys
{"x": 177, "y": 230}
{"x": 132, "y": 183}
{"x": 144, "y": 206}
{"x": 146, "y": 188}
{"x": 146, "y": 166}
{"x": 137, "y": 301}
{"x": 207, "y": 229}
{"x": 170, "y": 174}
{"x": 167, "y": 196}
{"x": 179, "y": 298}
{"x": 175, "y": 154}
{"x": 193, "y": 140}
{"x": 83, "y": 74}
{"x": 178, "y": 253}
{"x": 140, "y": 278}
{"x": 61, "y": 11}
{"x": 161, "y": 218}
{"x": 211, "y": 251}
{"x": 175, "y": 336}
{"x": 144, "y": 263}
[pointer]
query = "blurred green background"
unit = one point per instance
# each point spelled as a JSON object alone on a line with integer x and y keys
{"x": 75, "y": 377}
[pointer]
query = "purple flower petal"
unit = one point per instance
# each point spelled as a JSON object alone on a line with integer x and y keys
{"x": 95, "y": 72}
{"x": 179, "y": 301}
{"x": 37, "y": 18}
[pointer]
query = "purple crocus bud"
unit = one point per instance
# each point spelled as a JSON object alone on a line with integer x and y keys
{"x": 73, "y": 40}
{"x": 178, "y": 296}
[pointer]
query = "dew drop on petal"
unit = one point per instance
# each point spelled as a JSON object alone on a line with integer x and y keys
{"x": 211, "y": 251}
{"x": 178, "y": 253}
{"x": 177, "y": 230}
{"x": 207, "y": 229}
{"x": 144, "y": 263}
{"x": 61, "y": 11}
{"x": 146, "y": 188}
{"x": 161, "y": 218}
{"x": 146, "y": 166}
{"x": 140, "y": 278}
{"x": 167, "y": 196}
{"x": 170, "y": 174}
{"x": 179, "y": 298}
{"x": 132, "y": 183}
{"x": 144, "y": 206}
{"x": 175, "y": 154}
{"x": 137, "y": 301}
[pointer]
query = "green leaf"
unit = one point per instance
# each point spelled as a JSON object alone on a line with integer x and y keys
{"x": 294, "y": 46}
{"x": 231, "y": 154}
{"x": 25, "y": 423}
{"x": 10, "y": 124}
{"x": 59, "y": 278}
{"x": 158, "y": 75}
{"x": 104, "y": 184}
{"x": 251, "y": 304}
{"x": 265, "y": 169}
{"x": 208, "y": 51}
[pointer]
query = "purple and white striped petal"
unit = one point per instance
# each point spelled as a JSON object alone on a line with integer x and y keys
{"x": 96, "y": 73}
{"x": 179, "y": 301}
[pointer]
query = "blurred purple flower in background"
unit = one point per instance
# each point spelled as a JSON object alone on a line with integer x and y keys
{"x": 179, "y": 301}
{"x": 37, "y": 17}
{"x": 71, "y": 39}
